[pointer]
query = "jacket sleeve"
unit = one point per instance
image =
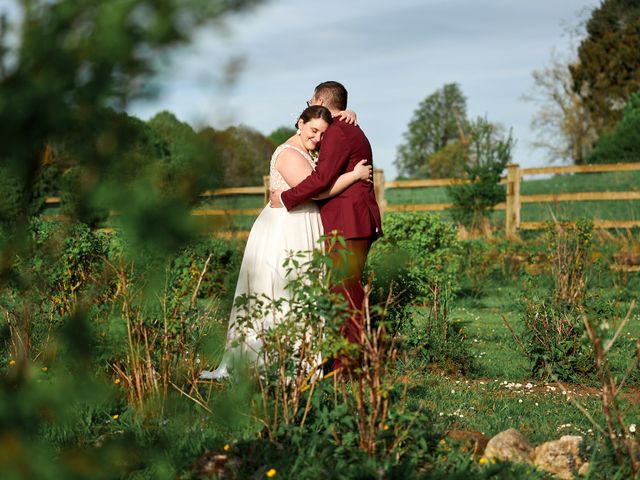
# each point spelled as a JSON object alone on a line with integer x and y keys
{"x": 334, "y": 157}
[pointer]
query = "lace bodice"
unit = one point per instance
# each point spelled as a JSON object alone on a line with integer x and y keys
{"x": 275, "y": 179}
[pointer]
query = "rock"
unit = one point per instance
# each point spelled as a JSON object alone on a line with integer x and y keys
{"x": 212, "y": 465}
{"x": 510, "y": 445}
{"x": 561, "y": 457}
{"x": 469, "y": 441}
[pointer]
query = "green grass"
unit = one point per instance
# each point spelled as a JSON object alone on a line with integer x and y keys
{"x": 582, "y": 182}
{"x": 502, "y": 394}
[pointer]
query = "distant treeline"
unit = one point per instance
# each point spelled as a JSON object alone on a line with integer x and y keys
{"x": 169, "y": 153}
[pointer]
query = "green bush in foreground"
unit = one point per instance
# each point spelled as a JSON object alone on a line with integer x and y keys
{"x": 417, "y": 264}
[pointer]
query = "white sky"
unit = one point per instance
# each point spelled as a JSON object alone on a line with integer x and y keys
{"x": 389, "y": 54}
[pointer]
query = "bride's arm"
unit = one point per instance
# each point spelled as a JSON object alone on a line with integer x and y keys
{"x": 294, "y": 168}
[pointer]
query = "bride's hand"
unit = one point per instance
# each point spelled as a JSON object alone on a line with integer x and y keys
{"x": 348, "y": 116}
{"x": 363, "y": 171}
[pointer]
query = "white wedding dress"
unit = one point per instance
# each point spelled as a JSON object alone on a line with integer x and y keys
{"x": 275, "y": 234}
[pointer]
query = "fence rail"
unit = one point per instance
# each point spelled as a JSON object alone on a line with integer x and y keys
{"x": 514, "y": 200}
{"x": 512, "y": 205}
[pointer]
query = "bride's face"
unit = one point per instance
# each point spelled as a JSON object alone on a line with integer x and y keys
{"x": 311, "y": 132}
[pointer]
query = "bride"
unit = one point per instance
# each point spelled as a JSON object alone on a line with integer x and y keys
{"x": 276, "y": 233}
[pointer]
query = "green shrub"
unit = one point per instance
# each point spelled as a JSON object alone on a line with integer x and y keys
{"x": 488, "y": 154}
{"x": 622, "y": 143}
{"x": 416, "y": 259}
{"x": 418, "y": 265}
{"x": 553, "y": 302}
{"x": 553, "y": 338}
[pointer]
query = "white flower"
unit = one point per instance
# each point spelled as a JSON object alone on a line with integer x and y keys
{"x": 632, "y": 428}
{"x": 519, "y": 400}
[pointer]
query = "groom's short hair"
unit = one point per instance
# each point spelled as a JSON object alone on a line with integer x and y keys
{"x": 334, "y": 95}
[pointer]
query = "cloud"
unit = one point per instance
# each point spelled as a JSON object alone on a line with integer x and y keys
{"x": 390, "y": 55}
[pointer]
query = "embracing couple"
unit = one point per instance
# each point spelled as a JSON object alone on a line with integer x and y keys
{"x": 311, "y": 195}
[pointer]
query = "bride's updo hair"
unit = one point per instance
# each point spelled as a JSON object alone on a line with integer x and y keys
{"x": 315, "y": 111}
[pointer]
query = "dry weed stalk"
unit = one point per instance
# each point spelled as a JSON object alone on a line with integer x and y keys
{"x": 570, "y": 251}
{"x": 157, "y": 350}
{"x": 624, "y": 446}
{"x": 19, "y": 333}
{"x": 366, "y": 389}
{"x": 288, "y": 368}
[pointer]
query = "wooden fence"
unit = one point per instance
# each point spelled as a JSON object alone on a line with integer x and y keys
{"x": 512, "y": 205}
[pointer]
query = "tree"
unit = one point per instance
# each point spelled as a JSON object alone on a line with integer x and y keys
{"x": 487, "y": 152}
{"x": 244, "y": 153}
{"x": 622, "y": 144}
{"x": 563, "y": 123}
{"x": 434, "y": 125}
{"x": 73, "y": 59}
{"x": 281, "y": 135}
{"x": 447, "y": 162}
{"x": 190, "y": 166}
{"x": 65, "y": 79}
{"x": 606, "y": 73}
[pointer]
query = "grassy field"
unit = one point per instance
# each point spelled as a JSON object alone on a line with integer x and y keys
{"x": 502, "y": 394}
{"x": 567, "y": 183}
{"x": 177, "y": 435}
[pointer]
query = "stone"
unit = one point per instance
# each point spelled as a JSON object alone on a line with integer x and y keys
{"x": 560, "y": 457}
{"x": 212, "y": 465}
{"x": 510, "y": 445}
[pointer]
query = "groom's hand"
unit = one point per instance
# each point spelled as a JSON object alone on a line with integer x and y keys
{"x": 274, "y": 198}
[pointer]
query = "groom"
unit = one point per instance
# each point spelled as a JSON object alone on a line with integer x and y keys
{"x": 354, "y": 213}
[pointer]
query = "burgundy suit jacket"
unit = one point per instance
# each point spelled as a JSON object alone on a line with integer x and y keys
{"x": 354, "y": 213}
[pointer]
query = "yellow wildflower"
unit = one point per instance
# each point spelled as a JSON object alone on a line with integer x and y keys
{"x": 385, "y": 427}
{"x": 116, "y": 381}
{"x": 226, "y": 447}
{"x": 482, "y": 461}
{"x": 271, "y": 473}
{"x": 116, "y": 416}
{"x": 12, "y": 362}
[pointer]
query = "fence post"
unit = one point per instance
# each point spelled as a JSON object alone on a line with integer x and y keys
{"x": 378, "y": 187}
{"x": 265, "y": 180}
{"x": 513, "y": 199}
